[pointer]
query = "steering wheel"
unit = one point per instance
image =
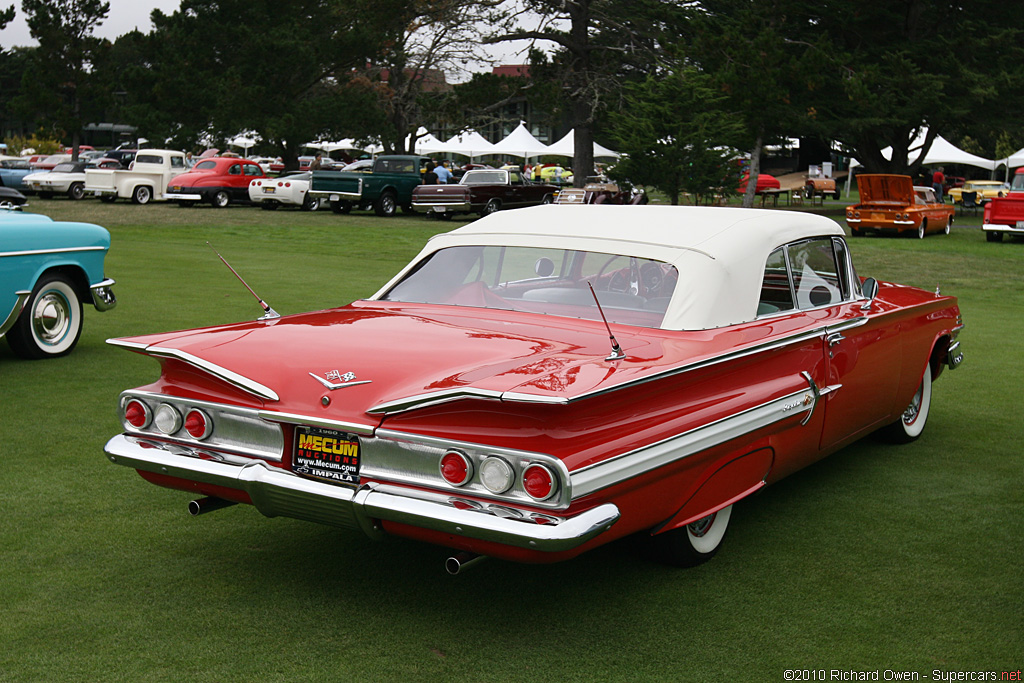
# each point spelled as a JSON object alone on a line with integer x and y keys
{"x": 620, "y": 282}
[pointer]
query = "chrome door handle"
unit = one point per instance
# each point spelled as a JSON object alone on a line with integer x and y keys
{"x": 834, "y": 339}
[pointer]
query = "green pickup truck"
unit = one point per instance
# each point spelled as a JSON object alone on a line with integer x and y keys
{"x": 385, "y": 187}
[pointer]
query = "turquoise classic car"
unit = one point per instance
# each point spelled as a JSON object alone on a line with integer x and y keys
{"x": 47, "y": 269}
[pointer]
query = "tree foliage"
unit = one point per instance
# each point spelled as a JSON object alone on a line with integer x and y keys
{"x": 599, "y": 44}
{"x": 672, "y": 131}
{"x": 206, "y": 70}
{"x": 892, "y": 69}
{"x": 61, "y": 76}
{"x": 432, "y": 40}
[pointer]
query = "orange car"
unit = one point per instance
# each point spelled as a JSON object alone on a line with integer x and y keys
{"x": 891, "y": 203}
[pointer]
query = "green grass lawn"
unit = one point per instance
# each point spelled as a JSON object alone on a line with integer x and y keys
{"x": 878, "y": 558}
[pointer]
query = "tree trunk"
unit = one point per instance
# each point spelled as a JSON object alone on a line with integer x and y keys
{"x": 755, "y": 170}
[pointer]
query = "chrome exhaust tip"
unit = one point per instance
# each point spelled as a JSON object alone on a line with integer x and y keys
{"x": 203, "y": 505}
{"x": 458, "y": 563}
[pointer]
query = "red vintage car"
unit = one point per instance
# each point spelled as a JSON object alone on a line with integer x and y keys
{"x": 541, "y": 382}
{"x": 217, "y": 180}
{"x": 764, "y": 182}
{"x": 891, "y": 203}
{"x": 1006, "y": 214}
{"x": 482, "y": 191}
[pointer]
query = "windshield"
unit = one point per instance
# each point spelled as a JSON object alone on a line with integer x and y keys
{"x": 632, "y": 290}
{"x": 64, "y": 168}
{"x": 484, "y": 178}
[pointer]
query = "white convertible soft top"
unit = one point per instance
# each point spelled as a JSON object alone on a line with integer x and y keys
{"x": 720, "y": 252}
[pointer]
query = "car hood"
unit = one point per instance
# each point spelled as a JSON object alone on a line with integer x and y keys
{"x": 386, "y": 357}
{"x": 885, "y": 188}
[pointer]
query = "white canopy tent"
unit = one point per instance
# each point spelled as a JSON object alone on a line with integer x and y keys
{"x": 470, "y": 143}
{"x": 426, "y": 143}
{"x": 246, "y": 141}
{"x": 942, "y": 151}
{"x": 1015, "y": 160}
{"x": 566, "y": 148}
{"x": 521, "y": 143}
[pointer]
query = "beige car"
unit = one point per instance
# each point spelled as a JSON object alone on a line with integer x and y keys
{"x": 986, "y": 189}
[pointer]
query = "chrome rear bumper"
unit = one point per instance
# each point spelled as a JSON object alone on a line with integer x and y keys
{"x": 280, "y": 493}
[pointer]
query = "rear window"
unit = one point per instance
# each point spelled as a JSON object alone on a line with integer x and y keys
{"x": 631, "y": 290}
{"x": 149, "y": 159}
{"x": 206, "y": 165}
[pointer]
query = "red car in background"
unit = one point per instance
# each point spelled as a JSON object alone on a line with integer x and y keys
{"x": 764, "y": 182}
{"x": 217, "y": 180}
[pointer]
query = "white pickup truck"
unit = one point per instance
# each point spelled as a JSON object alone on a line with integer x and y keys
{"x": 145, "y": 181}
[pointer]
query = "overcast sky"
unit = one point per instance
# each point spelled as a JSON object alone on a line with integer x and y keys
{"x": 124, "y": 16}
{"x": 127, "y": 15}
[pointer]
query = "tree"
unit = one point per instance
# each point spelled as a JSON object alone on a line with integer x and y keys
{"x": 748, "y": 48}
{"x": 203, "y": 72}
{"x": 599, "y": 43}
{"x": 60, "y": 82}
{"x": 6, "y": 16}
{"x": 433, "y": 39}
{"x": 889, "y": 70}
{"x": 671, "y": 132}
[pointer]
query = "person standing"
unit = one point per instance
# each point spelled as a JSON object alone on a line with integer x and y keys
{"x": 443, "y": 173}
{"x": 938, "y": 182}
{"x": 317, "y": 163}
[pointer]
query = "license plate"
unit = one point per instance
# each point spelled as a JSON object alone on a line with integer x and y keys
{"x": 440, "y": 209}
{"x": 878, "y": 216}
{"x": 335, "y": 198}
{"x": 326, "y": 454}
{"x": 176, "y": 188}
{"x": 268, "y": 190}
{"x": 1020, "y": 225}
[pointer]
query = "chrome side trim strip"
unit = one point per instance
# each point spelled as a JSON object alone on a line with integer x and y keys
{"x": 444, "y": 396}
{"x": 432, "y": 398}
{"x": 278, "y": 492}
{"x": 292, "y": 418}
{"x": 228, "y": 376}
{"x": 12, "y": 317}
{"x": 601, "y": 475}
{"x": 125, "y": 344}
{"x": 37, "y": 252}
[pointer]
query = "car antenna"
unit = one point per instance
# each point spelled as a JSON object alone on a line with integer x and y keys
{"x": 617, "y": 352}
{"x": 268, "y": 312}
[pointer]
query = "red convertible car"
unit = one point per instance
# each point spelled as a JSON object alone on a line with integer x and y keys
{"x": 482, "y": 191}
{"x": 541, "y": 382}
{"x": 217, "y": 180}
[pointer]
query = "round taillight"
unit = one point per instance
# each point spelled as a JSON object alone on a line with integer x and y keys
{"x": 167, "y": 419}
{"x": 496, "y": 475}
{"x": 136, "y": 413}
{"x": 538, "y": 482}
{"x": 287, "y": 184}
{"x": 280, "y": 184}
{"x": 456, "y": 468}
{"x": 198, "y": 424}
{"x": 256, "y": 183}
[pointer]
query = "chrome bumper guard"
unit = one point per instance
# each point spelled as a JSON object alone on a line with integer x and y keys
{"x": 103, "y": 295}
{"x": 276, "y": 492}
{"x": 954, "y": 356}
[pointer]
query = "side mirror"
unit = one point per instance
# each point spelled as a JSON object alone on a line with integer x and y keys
{"x": 870, "y": 290}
